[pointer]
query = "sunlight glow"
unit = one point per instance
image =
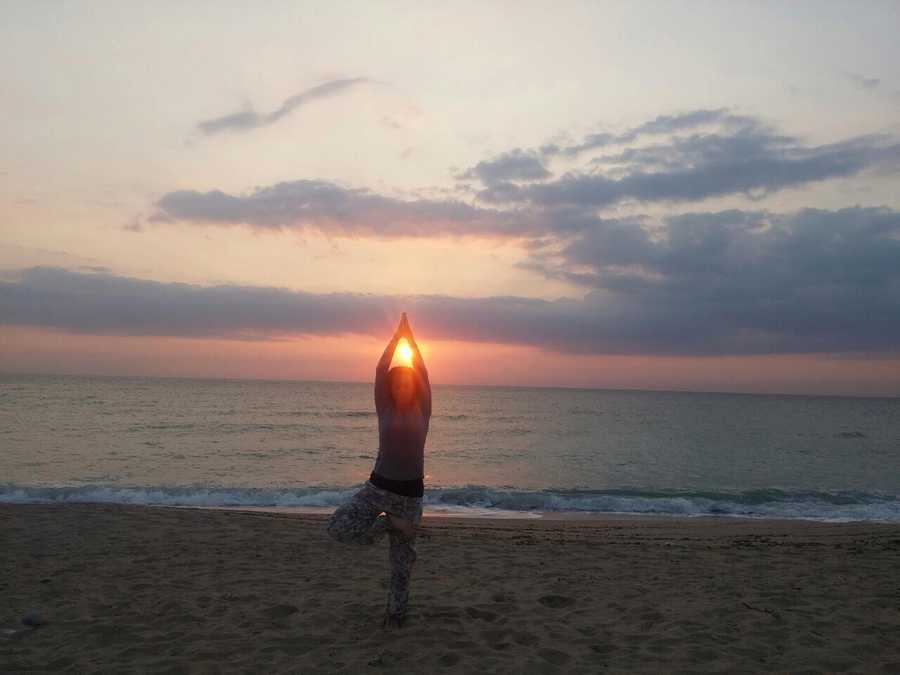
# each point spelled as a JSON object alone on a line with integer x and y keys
{"x": 403, "y": 354}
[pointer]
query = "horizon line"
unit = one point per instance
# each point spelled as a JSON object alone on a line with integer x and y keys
{"x": 4, "y": 373}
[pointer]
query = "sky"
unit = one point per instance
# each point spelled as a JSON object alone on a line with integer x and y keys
{"x": 656, "y": 195}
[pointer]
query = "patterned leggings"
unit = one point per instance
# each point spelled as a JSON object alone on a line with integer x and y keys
{"x": 358, "y": 521}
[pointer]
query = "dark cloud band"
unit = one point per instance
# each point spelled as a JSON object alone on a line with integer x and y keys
{"x": 332, "y": 209}
{"x": 732, "y": 282}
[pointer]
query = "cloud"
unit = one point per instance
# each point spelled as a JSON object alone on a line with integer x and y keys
{"x": 730, "y": 282}
{"x": 114, "y": 305}
{"x": 750, "y": 161}
{"x": 813, "y": 280}
{"x": 663, "y": 124}
{"x": 862, "y": 81}
{"x": 514, "y": 165}
{"x": 246, "y": 120}
{"x": 531, "y": 165}
{"x": 725, "y": 282}
{"x": 723, "y": 155}
{"x": 332, "y": 209}
{"x": 685, "y": 157}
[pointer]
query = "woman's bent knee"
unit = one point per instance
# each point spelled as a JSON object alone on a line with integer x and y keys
{"x": 339, "y": 528}
{"x": 349, "y": 523}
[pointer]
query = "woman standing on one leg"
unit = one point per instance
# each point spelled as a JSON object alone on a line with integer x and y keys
{"x": 395, "y": 486}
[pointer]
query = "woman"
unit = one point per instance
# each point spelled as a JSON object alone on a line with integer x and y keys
{"x": 395, "y": 486}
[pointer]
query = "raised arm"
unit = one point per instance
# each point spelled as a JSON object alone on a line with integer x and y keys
{"x": 425, "y": 389}
{"x": 418, "y": 364}
{"x": 382, "y": 395}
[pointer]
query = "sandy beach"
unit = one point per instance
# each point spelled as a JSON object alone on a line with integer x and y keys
{"x": 142, "y": 589}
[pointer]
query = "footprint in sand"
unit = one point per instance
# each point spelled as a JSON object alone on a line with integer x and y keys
{"x": 484, "y": 614}
{"x": 448, "y": 659}
{"x": 525, "y": 638}
{"x": 603, "y": 648}
{"x": 556, "y": 601}
{"x": 554, "y": 656}
{"x": 280, "y": 611}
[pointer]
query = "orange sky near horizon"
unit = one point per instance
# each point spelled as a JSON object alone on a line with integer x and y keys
{"x": 353, "y": 358}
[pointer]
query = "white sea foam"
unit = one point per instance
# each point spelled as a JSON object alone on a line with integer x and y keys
{"x": 478, "y": 500}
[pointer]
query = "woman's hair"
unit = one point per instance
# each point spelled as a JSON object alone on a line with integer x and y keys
{"x": 399, "y": 371}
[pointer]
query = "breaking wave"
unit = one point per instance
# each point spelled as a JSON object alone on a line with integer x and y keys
{"x": 769, "y": 503}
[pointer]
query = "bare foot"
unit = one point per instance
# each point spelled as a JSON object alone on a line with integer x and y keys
{"x": 392, "y": 621}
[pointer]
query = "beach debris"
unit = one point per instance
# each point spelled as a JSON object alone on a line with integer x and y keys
{"x": 32, "y": 619}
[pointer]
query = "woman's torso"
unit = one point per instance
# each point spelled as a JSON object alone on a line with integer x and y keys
{"x": 401, "y": 445}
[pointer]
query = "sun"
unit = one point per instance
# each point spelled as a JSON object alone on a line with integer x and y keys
{"x": 403, "y": 353}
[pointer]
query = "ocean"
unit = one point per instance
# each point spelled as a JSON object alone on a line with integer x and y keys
{"x": 491, "y": 451}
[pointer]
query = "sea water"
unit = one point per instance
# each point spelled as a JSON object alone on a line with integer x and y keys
{"x": 283, "y": 444}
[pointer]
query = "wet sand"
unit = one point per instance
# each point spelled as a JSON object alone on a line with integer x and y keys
{"x": 139, "y": 589}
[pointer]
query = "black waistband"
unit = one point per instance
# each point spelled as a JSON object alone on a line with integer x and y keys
{"x": 407, "y": 488}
